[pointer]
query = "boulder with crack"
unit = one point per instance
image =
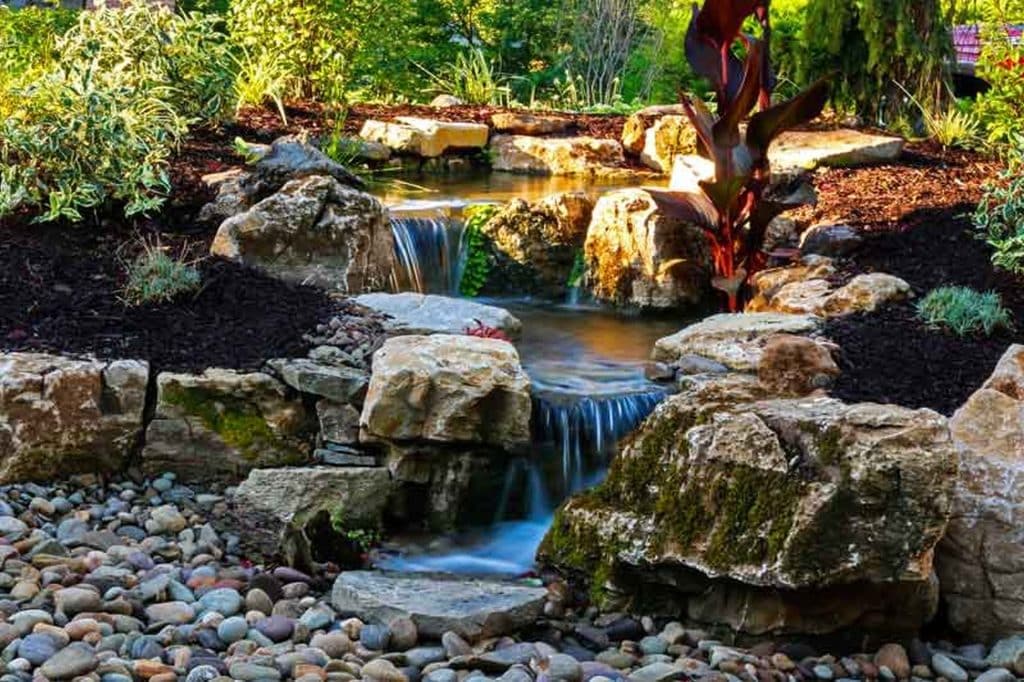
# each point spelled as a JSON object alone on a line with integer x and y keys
{"x": 302, "y": 515}
{"x": 732, "y": 508}
{"x": 534, "y": 245}
{"x": 61, "y": 415}
{"x": 313, "y": 231}
{"x": 980, "y": 562}
{"x": 222, "y": 423}
{"x": 638, "y": 255}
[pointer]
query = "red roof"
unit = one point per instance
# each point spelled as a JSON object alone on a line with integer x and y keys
{"x": 968, "y": 43}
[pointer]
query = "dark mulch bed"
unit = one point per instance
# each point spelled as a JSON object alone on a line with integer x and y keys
{"x": 916, "y": 214}
{"x": 59, "y": 292}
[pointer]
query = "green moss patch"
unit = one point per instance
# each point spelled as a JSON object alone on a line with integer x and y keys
{"x": 238, "y": 423}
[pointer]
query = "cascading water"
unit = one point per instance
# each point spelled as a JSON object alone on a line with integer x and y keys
{"x": 586, "y": 367}
{"x": 429, "y": 248}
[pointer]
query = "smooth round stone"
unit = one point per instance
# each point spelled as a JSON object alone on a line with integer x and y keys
{"x": 71, "y": 531}
{"x": 454, "y": 645}
{"x": 996, "y": 675}
{"x": 208, "y": 639}
{"x": 116, "y": 677}
{"x": 423, "y": 656}
{"x": 258, "y": 600}
{"x": 317, "y": 617}
{"x": 146, "y": 647}
{"x": 616, "y": 659}
{"x": 944, "y": 666}
{"x": 404, "y": 634}
{"x": 381, "y": 670}
{"x": 11, "y": 528}
{"x": 375, "y": 637}
{"x": 224, "y": 601}
{"x": 250, "y": 671}
{"x": 564, "y": 668}
{"x": 202, "y": 673}
{"x": 442, "y": 675}
{"x": 74, "y": 660}
{"x": 275, "y": 628}
{"x": 162, "y": 485}
{"x": 232, "y": 629}
{"x": 334, "y": 644}
{"x": 37, "y": 649}
{"x": 823, "y": 672}
{"x": 653, "y": 645}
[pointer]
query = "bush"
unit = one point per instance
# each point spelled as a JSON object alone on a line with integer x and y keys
{"x": 156, "y": 277}
{"x": 964, "y": 311}
{"x": 1001, "y": 107}
{"x": 999, "y": 217}
{"x": 478, "y": 265}
{"x": 28, "y": 41}
{"x": 100, "y": 123}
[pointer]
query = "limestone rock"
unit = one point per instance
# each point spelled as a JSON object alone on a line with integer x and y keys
{"x": 449, "y": 389}
{"x": 424, "y": 137}
{"x": 807, "y": 289}
{"x": 838, "y": 148}
{"x": 293, "y": 513}
{"x": 336, "y": 382}
{"x": 339, "y": 423}
{"x": 633, "y": 134}
{"x": 472, "y": 609}
{"x": 414, "y": 313}
{"x": 669, "y": 137}
{"x": 981, "y": 560}
{"x": 535, "y": 244}
{"x": 221, "y": 424}
{"x": 61, "y": 416}
{"x": 637, "y": 255}
{"x": 795, "y": 366}
{"x": 791, "y": 501}
{"x": 831, "y": 240}
{"x": 444, "y": 101}
{"x": 734, "y": 340}
{"x": 554, "y": 156}
{"x": 529, "y": 124}
{"x": 313, "y": 231}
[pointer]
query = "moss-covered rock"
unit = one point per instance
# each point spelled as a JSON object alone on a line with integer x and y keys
{"x": 221, "y": 424}
{"x": 784, "y": 496}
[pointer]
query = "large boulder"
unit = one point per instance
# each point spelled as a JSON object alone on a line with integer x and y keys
{"x": 222, "y": 423}
{"x": 980, "y": 562}
{"x": 842, "y": 147}
{"x": 742, "y": 508}
{"x": 472, "y": 609}
{"x": 447, "y": 389}
{"x": 301, "y": 514}
{"x": 736, "y": 341}
{"x": 412, "y": 313}
{"x": 424, "y": 137}
{"x": 554, "y": 155}
{"x": 535, "y": 245}
{"x": 314, "y": 231}
{"x": 638, "y": 255}
{"x": 61, "y": 416}
{"x": 669, "y": 137}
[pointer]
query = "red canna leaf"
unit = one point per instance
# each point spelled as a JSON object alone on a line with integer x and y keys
{"x": 688, "y": 207}
{"x": 727, "y": 129}
{"x": 720, "y": 20}
{"x": 766, "y": 125}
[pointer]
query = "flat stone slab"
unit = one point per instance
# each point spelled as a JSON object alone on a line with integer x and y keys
{"x": 431, "y": 314}
{"x": 425, "y": 137}
{"x": 841, "y": 148}
{"x": 474, "y": 609}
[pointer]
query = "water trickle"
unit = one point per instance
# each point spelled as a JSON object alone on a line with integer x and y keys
{"x": 429, "y": 249}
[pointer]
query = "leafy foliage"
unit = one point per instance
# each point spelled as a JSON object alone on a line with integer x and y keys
{"x": 100, "y": 123}
{"x": 478, "y": 265}
{"x": 1001, "y": 107}
{"x": 473, "y": 78}
{"x": 999, "y": 217}
{"x": 731, "y": 208}
{"x": 964, "y": 311}
{"x": 157, "y": 277}
{"x": 28, "y": 41}
{"x": 877, "y": 46}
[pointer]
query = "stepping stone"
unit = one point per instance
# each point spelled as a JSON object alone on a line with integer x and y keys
{"x": 431, "y": 314}
{"x": 473, "y": 609}
{"x": 838, "y": 148}
{"x": 425, "y": 137}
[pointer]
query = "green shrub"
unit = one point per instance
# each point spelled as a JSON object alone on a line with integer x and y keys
{"x": 156, "y": 277}
{"x": 101, "y": 123}
{"x": 473, "y": 78}
{"x": 28, "y": 40}
{"x": 999, "y": 218}
{"x": 478, "y": 265}
{"x": 1001, "y": 107}
{"x": 964, "y": 311}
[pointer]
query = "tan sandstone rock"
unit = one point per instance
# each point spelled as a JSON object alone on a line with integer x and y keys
{"x": 805, "y": 289}
{"x": 221, "y": 424}
{"x": 637, "y": 255}
{"x": 981, "y": 560}
{"x": 517, "y": 123}
{"x": 315, "y": 231}
{"x": 669, "y": 137}
{"x": 790, "y": 501}
{"x": 61, "y": 416}
{"x": 554, "y": 155}
{"x": 448, "y": 389}
{"x": 424, "y": 137}
{"x": 737, "y": 341}
{"x": 795, "y": 365}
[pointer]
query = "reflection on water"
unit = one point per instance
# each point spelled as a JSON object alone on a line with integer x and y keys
{"x": 586, "y": 365}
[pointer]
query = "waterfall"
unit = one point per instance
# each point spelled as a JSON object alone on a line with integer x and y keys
{"x": 429, "y": 249}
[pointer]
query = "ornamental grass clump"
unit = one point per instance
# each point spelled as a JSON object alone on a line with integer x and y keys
{"x": 733, "y": 208}
{"x": 157, "y": 277}
{"x": 964, "y": 311}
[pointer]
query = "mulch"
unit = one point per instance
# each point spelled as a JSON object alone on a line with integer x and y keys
{"x": 916, "y": 216}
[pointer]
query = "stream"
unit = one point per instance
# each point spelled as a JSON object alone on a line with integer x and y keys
{"x": 585, "y": 363}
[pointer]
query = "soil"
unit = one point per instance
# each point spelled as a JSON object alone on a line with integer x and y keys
{"x": 916, "y": 216}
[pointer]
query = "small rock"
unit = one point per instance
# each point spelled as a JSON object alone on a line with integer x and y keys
{"x": 894, "y": 657}
{"x": 945, "y": 667}
{"x": 74, "y": 660}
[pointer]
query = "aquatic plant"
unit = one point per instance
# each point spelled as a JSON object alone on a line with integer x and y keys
{"x": 733, "y": 208}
